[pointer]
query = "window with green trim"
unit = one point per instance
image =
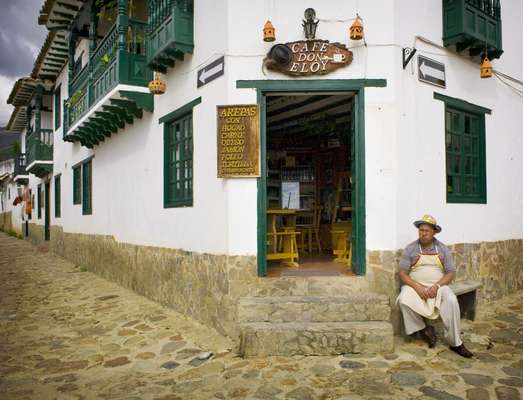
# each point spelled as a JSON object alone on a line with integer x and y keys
{"x": 77, "y": 185}
{"x": 465, "y": 155}
{"x": 39, "y": 197}
{"x": 57, "y": 197}
{"x": 57, "y": 108}
{"x": 87, "y": 208}
{"x": 178, "y": 162}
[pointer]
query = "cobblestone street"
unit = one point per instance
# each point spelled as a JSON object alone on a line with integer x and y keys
{"x": 67, "y": 334}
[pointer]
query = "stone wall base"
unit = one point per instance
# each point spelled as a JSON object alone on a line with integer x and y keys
{"x": 203, "y": 286}
{"x": 497, "y": 265}
{"x": 6, "y": 221}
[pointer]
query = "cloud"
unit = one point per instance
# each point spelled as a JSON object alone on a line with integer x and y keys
{"x": 20, "y": 41}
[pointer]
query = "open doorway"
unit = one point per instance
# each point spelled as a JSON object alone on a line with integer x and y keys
{"x": 310, "y": 157}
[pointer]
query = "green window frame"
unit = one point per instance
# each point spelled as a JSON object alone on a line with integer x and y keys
{"x": 77, "y": 184}
{"x": 87, "y": 175}
{"x": 58, "y": 107}
{"x": 39, "y": 198}
{"x": 178, "y": 156}
{"x": 465, "y": 150}
{"x": 57, "y": 197}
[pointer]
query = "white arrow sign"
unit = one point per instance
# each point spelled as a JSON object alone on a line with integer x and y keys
{"x": 431, "y": 71}
{"x": 427, "y": 70}
{"x": 210, "y": 72}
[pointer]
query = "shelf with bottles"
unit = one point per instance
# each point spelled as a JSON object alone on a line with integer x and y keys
{"x": 301, "y": 173}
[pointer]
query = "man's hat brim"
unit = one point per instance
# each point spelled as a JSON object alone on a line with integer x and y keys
{"x": 437, "y": 228}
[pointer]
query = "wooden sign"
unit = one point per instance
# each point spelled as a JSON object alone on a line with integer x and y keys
{"x": 238, "y": 141}
{"x": 308, "y": 57}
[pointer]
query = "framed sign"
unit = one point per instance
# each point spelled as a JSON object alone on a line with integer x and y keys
{"x": 238, "y": 140}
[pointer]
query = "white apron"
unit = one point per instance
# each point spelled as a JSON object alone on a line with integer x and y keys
{"x": 427, "y": 271}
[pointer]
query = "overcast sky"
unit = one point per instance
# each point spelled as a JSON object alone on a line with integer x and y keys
{"x": 20, "y": 41}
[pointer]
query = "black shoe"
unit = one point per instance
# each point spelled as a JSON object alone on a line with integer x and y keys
{"x": 462, "y": 351}
{"x": 428, "y": 334}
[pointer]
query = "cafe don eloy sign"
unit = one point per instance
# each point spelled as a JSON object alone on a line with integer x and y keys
{"x": 310, "y": 57}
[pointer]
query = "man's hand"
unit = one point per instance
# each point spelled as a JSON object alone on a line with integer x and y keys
{"x": 432, "y": 291}
{"x": 421, "y": 291}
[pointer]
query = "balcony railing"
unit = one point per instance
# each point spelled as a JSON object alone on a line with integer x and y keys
{"x": 39, "y": 146}
{"x": 108, "y": 66}
{"x": 473, "y": 25}
{"x": 20, "y": 165}
{"x": 170, "y": 26}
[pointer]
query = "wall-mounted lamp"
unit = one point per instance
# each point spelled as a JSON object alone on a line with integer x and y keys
{"x": 269, "y": 33}
{"x": 486, "y": 68}
{"x": 157, "y": 86}
{"x": 356, "y": 29}
{"x": 310, "y": 23}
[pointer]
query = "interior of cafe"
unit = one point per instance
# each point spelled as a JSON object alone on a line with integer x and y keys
{"x": 309, "y": 184}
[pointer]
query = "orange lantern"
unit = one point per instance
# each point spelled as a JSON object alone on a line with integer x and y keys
{"x": 356, "y": 29}
{"x": 157, "y": 86}
{"x": 486, "y": 68}
{"x": 269, "y": 33}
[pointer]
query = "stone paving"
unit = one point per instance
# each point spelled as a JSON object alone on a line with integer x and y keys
{"x": 68, "y": 334}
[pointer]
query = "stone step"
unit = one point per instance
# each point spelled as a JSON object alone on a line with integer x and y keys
{"x": 315, "y": 338}
{"x": 310, "y": 286}
{"x": 352, "y": 307}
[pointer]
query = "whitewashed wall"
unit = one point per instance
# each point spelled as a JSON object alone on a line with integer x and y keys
{"x": 420, "y": 167}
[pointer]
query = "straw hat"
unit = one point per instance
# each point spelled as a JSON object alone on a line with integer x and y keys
{"x": 429, "y": 220}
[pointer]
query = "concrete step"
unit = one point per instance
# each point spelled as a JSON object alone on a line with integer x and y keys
{"x": 333, "y": 286}
{"x": 315, "y": 338}
{"x": 352, "y": 307}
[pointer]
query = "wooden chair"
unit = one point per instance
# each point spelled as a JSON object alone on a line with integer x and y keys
{"x": 342, "y": 242}
{"x": 289, "y": 251}
{"x": 310, "y": 232}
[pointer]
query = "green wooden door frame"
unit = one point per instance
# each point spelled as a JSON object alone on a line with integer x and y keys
{"x": 47, "y": 209}
{"x": 335, "y": 86}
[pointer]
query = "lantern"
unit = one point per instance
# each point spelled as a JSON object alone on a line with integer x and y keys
{"x": 486, "y": 68}
{"x": 157, "y": 86}
{"x": 269, "y": 33}
{"x": 356, "y": 29}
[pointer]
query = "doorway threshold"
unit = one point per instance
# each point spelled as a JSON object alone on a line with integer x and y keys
{"x": 316, "y": 265}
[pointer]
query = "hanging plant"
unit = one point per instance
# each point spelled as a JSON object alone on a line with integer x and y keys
{"x": 104, "y": 60}
{"x": 75, "y": 98}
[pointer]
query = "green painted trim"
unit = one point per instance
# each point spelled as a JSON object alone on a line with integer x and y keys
{"x": 310, "y": 85}
{"x": 144, "y": 101}
{"x": 262, "y": 189}
{"x": 180, "y": 111}
{"x": 57, "y": 196}
{"x": 462, "y": 104}
{"x": 87, "y": 187}
{"x": 359, "y": 257}
{"x": 47, "y": 209}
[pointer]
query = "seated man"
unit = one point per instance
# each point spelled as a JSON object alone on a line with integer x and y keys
{"x": 426, "y": 269}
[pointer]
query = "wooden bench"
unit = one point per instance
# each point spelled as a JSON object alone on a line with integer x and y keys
{"x": 465, "y": 291}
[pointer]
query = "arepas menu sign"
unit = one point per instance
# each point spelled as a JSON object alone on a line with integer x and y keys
{"x": 308, "y": 57}
{"x": 238, "y": 141}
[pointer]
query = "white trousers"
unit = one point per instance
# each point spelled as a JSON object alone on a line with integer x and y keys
{"x": 449, "y": 312}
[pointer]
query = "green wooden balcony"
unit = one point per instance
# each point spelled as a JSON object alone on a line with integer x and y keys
{"x": 39, "y": 152}
{"x": 170, "y": 26}
{"x": 473, "y": 25}
{"x": 20, "y": 174}
{"x": 119, "y": 59}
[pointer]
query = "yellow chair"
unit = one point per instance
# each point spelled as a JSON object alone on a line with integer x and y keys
{"x": 310, "y": 232}
{"x": 342, "y": 242}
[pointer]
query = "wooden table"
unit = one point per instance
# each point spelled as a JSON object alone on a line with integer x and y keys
{"x": 287, "y": 233}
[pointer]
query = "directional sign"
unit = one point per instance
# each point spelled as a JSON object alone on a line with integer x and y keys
{"x": 210, "y": 72}
{"x": 431, "y": 71}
